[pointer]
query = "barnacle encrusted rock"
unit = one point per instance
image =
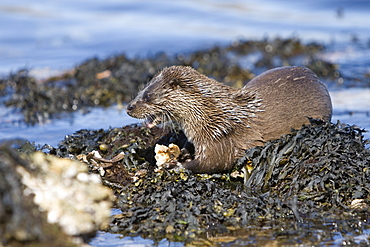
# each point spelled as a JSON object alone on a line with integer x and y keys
{"x": 69, "y": 195}
{"x": 47, "y": 200}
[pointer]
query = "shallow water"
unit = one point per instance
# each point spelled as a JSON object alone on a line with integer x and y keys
{"x": 48, "y": 37}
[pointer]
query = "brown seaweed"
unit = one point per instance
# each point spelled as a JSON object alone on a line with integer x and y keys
{"x": 313, "y": 178}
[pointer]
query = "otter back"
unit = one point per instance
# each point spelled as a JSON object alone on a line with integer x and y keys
{"x": 289, "y": 95}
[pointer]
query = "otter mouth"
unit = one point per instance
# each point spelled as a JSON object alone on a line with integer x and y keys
{"x": 152, "y": 121}
{"x": 157, "y": 119}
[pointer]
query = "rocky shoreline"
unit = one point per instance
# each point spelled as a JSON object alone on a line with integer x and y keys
{"x": 298, "y": 184}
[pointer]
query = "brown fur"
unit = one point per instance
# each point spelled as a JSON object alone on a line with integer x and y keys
{"x": 222, "y": 121}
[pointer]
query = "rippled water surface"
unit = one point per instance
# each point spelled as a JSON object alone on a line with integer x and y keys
{"x": 50, "y": 36}
{"x": 59, "y": 34}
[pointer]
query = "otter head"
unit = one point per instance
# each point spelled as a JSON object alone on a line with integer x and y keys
{"x": 166, "y": 97}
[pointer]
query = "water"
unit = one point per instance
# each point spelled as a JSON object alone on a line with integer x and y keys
{"x": 51, "y": 36}
{"x": 54, "y": 131}
{"x": 59, "y": 34}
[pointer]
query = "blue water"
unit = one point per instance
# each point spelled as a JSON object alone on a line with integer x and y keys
{"x": 48, "y": 37}
{"x": 61, "y": 33}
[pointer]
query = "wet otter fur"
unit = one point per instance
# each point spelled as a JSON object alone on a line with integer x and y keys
{"x": 222, "y": 121}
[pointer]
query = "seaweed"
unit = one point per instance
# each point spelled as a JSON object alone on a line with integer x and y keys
{"x": 315, "y": 177}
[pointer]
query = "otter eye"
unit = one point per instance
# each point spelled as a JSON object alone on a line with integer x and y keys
{"x": 147, "y": 96}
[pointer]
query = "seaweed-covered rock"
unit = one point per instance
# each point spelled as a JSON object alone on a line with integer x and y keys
{"x": 92, "y": 83}
{"x": 135, "y": 140}
{"x": 322, "y": 165}
{"x": 319, "y": 170}
{"x": 320, "y": 174}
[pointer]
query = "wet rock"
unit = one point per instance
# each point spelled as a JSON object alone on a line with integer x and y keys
{"x": 48, "y": 200}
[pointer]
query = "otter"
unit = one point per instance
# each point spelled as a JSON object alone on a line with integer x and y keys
{"x": 221, "y": 121}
